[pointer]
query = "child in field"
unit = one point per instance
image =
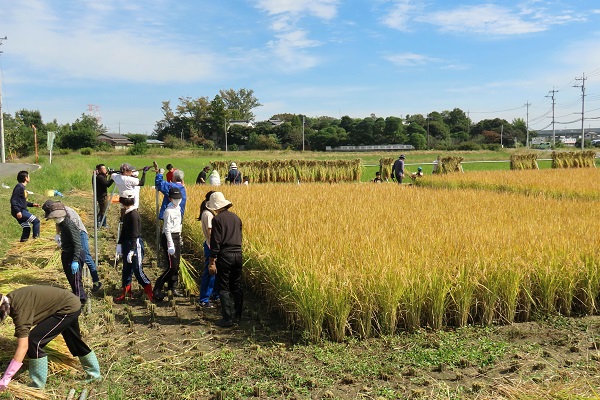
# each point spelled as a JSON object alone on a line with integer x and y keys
{"x": 377, "y": 177}
{"x": 18, "y": 208}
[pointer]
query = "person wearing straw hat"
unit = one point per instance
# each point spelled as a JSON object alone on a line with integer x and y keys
{"x": 71, "y": 250}
{"x": 226, "y": 258}
{"x": 83, "y": 233}
{"x": 171, "y": 244}
{"x": 18, "y": 208}
{"x": 131, "y": 245}
{"x": 40, "y": 313}
{"x": 207, "y": 281}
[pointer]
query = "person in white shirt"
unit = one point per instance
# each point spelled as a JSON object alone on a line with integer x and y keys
{"x": 171, "y": 244}
{"x": 128, "y": 180}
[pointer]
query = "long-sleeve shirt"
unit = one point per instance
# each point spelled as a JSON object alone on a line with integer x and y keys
{"x": 172, "y": 222}
{"x": 132, "y": 228}
{"x": 226, "y": 234}
{"x": 76, "y": 219}
{"x": 234, "y": 176}
{"x": 30, "y": 305}
{"x": 163, "y": 187}
{"x": 70, "y": 238}
{"x": 398, "y": 168}
{"x": 102, "y": 185}
{"x": 18, "y": 200}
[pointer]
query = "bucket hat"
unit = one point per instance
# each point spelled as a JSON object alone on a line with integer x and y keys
{"x": 217, "y": 201}
{"x": 57, "y": 213}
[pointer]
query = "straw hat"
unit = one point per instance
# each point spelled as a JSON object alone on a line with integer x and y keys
{"x": 217, "y": 201}
{"x": 233, "y": 165}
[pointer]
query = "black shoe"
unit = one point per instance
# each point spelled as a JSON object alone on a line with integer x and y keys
{"x": 96, "y": 286}
{"x": 158, "y": 296}
{"x": 223, "y": 323}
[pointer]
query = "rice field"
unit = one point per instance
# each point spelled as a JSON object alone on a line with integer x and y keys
{"x": 361, "y": 260}
{"x": 577, "y": 183}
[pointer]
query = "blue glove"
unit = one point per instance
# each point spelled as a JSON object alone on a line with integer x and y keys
{"x": 74, "y": 267}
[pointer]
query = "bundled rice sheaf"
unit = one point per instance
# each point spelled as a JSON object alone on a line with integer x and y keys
{"x": 523, "y": 161}
{"x": 574, "y": 159}
{"x": 449, "y": 164}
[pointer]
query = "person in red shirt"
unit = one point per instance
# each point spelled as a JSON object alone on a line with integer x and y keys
{"x": 169, "y": 175}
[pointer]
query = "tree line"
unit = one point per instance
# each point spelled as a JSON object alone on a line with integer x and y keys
{"x": 215, "y": 123}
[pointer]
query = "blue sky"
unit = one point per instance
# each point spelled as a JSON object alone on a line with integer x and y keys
{"x": 312, "y": 57}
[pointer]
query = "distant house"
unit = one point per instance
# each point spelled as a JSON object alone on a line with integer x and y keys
{"x": 116, "y": 140}
{"x": 155, "y": 143}
{"x": 242, "y": 122}
{"x": 275, "y": 122}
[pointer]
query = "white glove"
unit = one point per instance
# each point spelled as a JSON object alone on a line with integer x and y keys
{"x": 57, "y": 240}
{"x": 119, "y": 250}
{"x": 171, "y": 250}
{"x": 130, "y": 257}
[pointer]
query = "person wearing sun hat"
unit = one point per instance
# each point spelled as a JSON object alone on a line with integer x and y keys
{"x": 39, "y": 314}
{"x": 226, "y": 258}
{"x": 234, "y": 176}
{"x": 72, "y": 255}
{"x": 398, "y": 169}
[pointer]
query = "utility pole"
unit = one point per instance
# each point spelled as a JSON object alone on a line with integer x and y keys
{"x": 553, "y": 104}
{"x": 303, "y": 122}
{"x": 501, "y": 134}
{"x": 582, "y": 86}
{"x": 2, "y": 151}
{"x": 527, "y": 124}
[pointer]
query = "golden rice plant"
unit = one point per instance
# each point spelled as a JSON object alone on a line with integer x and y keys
{"x": 449, "y": 164}
{"x": 336, "y": 261}
{"x": 557, "y": 183}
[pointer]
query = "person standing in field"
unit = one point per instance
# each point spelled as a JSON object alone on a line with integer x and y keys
{"x": 207, "y": 281}
{"x": 127, "y": 180}
{"x": 226, "y": 258}
{"x": 171, "y": 244}
{"x": 48, "y": 206}
{"x": 201, "y": 179}
{"x": 131, "y": 246}
{"x": 234, "y": 176}
{"x": 170, "y": 170}
{"x": 398, "y": 169}
{"x": 164, "y": 187}
{"x": 71, "y": 255}
{"x": 41, "y": 313}
{"x": 18, "y": 208}
{"x": 103, "y": 182}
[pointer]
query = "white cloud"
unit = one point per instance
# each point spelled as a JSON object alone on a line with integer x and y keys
{"x": 288, "y": 48}
{"x": 411, "y": 59}
{"x": 87, "y": 48}
{"x": 290, "y": 41}
{"x": 487, "y": 19}
{"x": 401, "y": 13}
{"x": 324, "y": 9}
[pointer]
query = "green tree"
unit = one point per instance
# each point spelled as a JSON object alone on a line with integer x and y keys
{"x": 330, "y": 136}
{"x": 263, "y": 142}
{"x": 81, "y": 133}
{"x": 240, "y": 103}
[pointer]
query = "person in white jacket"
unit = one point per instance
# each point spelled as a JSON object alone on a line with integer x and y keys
{"x": 171, "y": 243}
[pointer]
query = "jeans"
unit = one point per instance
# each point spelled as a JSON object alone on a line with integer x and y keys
{"x": 88, "y": 257}
{"x": 207, "y": 283}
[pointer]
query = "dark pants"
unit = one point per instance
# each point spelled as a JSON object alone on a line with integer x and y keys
{"x": 102, "y": 202}
{"x": 229, "y": 280}
{"x": 170, "y": 274}
{"x": 74, "y": 279}
{"x": 26, "y": 221}
{"x": 51, "y": 327}
{"x": 135, "y": 267}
